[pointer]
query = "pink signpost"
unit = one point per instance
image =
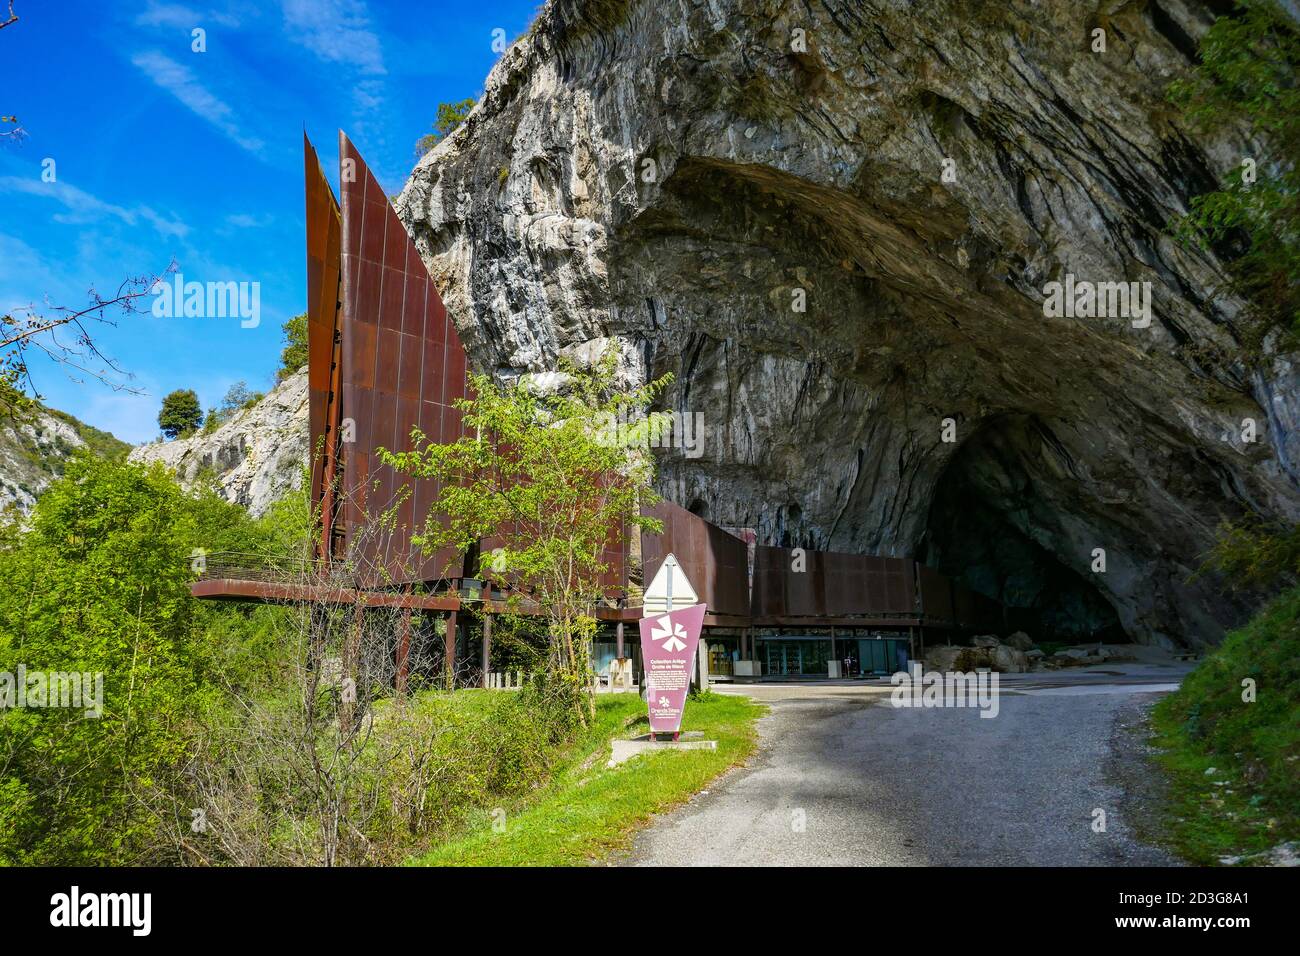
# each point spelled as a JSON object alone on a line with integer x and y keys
{"x": 668, "y": 645}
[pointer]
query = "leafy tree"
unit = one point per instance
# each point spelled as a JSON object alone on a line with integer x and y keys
{"x": 450, "y": 116}
{"x": 295, "y": 354}
{"x": 1253, "y": 553}
{"x": 180, "y": 414}
{"x": 236, "y": 397}
{"x": 547, "y": 478}
{"x": 99, "y": 583}
{"x": 239, "y": 396}
{"x": 1247, "y": 78}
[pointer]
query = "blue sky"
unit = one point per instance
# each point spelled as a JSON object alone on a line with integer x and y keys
{"x": 164, "y": 153}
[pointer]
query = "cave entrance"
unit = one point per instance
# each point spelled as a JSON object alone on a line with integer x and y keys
{"x": 992, "y": 526}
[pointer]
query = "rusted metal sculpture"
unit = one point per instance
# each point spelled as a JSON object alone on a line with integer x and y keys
{"x": 384, "y": 357}
{"x": 401, "y": 365}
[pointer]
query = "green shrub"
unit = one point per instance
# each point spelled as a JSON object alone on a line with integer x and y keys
{"x": 294, "y": 355}
{"x": 180, "y": 414}
{"x": 1254, "y": 745}
{"x": 98, "y": 582}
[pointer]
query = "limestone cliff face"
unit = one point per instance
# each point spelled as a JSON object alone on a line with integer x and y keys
{"x": 35, "y": 444}
{"x": 257, "y": 455}
{"x": 675, "y": 175}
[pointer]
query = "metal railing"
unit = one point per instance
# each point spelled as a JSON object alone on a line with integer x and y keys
{"x": 244, "y": 566}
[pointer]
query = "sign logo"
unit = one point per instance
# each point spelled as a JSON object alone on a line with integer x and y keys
{"x": 676, "y": 635}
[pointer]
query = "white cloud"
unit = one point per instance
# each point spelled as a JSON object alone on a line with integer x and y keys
{"x": 337, "y": 31}
{"x": 181, "y": 17}
{"x": 81, "y": 207}
{"x": 22, "y": 271}
{"x": 368, "y": 95}
{"x": 244, "y": 220}
{"x": 180, "y": 81}
{"x": 167, "y": 15}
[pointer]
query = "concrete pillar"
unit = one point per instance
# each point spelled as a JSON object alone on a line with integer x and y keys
{"x": 619, "y": 632}
{"x": 487, "y": 646}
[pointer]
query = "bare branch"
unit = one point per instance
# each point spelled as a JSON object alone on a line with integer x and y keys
{"x": 26, "y": 328}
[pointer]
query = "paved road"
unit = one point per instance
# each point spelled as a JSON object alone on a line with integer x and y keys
{"x": 843, "y": 778}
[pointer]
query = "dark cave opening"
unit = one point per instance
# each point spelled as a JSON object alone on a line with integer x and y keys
{"x": 984, "y": 530}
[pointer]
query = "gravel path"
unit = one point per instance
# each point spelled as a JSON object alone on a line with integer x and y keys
{"x": 842, "y": 778}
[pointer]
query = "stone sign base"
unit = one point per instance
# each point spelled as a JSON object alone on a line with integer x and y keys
{"x": 624, "y": 750}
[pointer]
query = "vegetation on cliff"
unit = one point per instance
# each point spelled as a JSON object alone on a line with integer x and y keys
{"x": 1247, "y": 75}
{"x": 36, "y": 444}
{"x": 1231, "y": 736}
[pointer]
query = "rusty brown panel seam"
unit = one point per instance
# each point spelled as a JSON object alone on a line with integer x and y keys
{"x": 348, "y": 283}
{"x": 419, "y": 414}
{"x": 379, "y": 299}
{"x": 321, "y": 205}
{"x": 334, "y": 419}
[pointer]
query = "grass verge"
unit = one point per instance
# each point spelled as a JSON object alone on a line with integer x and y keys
{"x": 1234, "y": 762}
{"x": 588, "y": 811}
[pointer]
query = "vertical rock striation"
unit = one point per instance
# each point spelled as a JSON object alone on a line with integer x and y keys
{"x": 671, "y": 174}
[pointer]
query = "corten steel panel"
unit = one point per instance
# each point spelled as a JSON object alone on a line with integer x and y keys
{"x": 730, "y": 587}
{"x": 614, "y": 556}
{"x": 613, "y": 580}
{"x": 831, "y": 584}
{"x": 936, "y": 596}
{"x": 899, "y": 577}
{"x": 900, "y": 583}
{"x": 402, "y": 364}
{"x": 768, "y": 596}
{"x": 324, "y": 227}
{"x": 715, "y": 562}
{"x": 846, "y": 584}
{"x": 804, "y": 589}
